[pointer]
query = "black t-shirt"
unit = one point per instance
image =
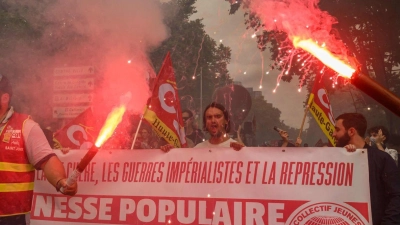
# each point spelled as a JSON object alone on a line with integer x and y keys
{"x": 196, "y": 136}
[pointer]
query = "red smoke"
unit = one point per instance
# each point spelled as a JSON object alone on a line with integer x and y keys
{"x": 300, "y": 18}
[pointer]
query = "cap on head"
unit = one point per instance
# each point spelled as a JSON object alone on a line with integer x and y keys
{"x": 5, "y": 86}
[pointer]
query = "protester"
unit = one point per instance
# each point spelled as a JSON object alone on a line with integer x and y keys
{"x": 378, "y": 137}
{"x": 216, "y": 122}
{"x": 285, "y": 140}
{"x": 146, "y": 140}
{"x": 192, "y": 133}
{"x": 23, "y": 148}
{"x": 384, "y": 177}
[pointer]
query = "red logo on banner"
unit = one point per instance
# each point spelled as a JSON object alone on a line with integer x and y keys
{"x": 78, "y": 134}
{"x": 164, "y": 110}
{"x": 327, "y": 213}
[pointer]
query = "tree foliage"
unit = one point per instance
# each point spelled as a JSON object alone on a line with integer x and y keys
{"x": 371, "y": 31}
{"x": 197, "y": 59}
{"x": 266, "y": 117}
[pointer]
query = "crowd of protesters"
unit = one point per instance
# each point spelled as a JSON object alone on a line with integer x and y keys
{"x": 350, "y": 131}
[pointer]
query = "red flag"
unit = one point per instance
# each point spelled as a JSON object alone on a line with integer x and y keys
{"x": 78, "y": 134}
{"x": 163, "y": 111}
{"x": 321, "y": 109}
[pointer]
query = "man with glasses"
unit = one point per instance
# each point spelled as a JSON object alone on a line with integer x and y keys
{"x": 192, "y": 133}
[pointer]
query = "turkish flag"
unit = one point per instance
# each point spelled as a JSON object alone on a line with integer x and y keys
{"x": 163, "y": 110}
{"x": 78, "y": 134}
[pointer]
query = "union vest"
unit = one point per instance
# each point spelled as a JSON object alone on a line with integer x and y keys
{"x": 16, "y": 173}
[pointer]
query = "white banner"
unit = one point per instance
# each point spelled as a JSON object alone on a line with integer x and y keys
{"x": 295, "y": 186}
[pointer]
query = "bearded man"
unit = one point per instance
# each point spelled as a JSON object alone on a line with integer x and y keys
{"x": 384, "y": 177}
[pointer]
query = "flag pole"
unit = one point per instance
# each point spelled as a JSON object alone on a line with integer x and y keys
{"x": 304, "y": 119}
{"x": 137, "y": 130}
{"x": 144, "y": 111}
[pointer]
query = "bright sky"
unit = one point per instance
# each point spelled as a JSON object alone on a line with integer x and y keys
{"x": 247, "y": 62}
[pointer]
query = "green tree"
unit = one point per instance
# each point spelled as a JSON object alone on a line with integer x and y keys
{"x": 266, "y": 117}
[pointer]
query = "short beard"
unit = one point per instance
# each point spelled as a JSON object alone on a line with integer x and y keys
{"x": 217, "y": 135}
{"x": 343, "y": 141}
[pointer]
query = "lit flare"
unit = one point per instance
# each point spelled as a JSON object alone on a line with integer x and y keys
{"x": 113, "y": 119}
{"x": 324, "y": 56}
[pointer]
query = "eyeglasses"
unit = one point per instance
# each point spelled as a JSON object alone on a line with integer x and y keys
{"x": 186, "y": 118}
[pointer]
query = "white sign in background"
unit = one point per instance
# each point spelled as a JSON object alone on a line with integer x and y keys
{"x": 210, "y": 186}
{"x": 72, "y": 90}
{"x": 72, "y": 98}
{"x": 68, "y": 112}
{"x": 74, "y": 84}
{"x": 68, "y": 71}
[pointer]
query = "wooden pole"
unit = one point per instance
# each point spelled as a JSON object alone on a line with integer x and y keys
{"x": 304, "y": 119}
{"x": 137, "y": 130}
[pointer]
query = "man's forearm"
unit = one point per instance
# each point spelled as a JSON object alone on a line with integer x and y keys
{"x": 379, "y": 146}
{"x": 53, "y": 170}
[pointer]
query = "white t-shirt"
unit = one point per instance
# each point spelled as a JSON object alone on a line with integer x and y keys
{"x": 37, "y": 147}
{"x": 393, "y": 153}
{"x": 207, "y": 144}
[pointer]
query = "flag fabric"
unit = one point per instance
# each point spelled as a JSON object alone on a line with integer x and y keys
{"x": 78, "y": 134}
{"x": 163, "y": 110}
{"x": 321, "y": 109}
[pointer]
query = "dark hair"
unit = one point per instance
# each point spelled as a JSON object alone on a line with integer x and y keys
{"x": 224, "y": 111}
{"x": 188, "y": 112}
{"x": 355, "y": 120}
{"x": 5, "y": 86}
{"x": 376, "y": 129}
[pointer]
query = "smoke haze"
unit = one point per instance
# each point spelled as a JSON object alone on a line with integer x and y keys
{"x": 73, "y": 33}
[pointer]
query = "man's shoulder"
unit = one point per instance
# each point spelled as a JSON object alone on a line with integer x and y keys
{"x": 202, "y": 144}
{"x": 375, "y": 151}
{"x": 376, "y": 155}
{"x": 226, "y": 143}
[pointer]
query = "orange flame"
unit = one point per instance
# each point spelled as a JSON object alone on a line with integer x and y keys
{"x": 324, "y": 56}
{"x": 112, "y": 121}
